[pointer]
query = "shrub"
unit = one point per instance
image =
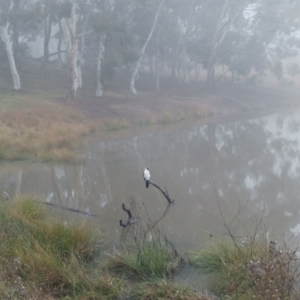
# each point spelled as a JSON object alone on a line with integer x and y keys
{"x": 243, "y": 270}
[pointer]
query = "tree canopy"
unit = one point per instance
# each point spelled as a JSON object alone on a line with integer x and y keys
{"x": 174, "y": 37}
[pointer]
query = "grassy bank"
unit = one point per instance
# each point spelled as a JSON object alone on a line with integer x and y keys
{"x": 33, "y": 125}
{"x": 42, "y": 257}
{"x": 250, "y": 269}
{"x": 52, "y": 131}
{"x": 39, "y": 123}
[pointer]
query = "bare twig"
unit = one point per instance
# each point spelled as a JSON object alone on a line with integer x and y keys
{"x": 69, "y": 209}
{"x": 227, "y": 227}
{"x": 164, "y": 192}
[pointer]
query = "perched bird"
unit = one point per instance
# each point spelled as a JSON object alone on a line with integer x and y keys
{"x": 147, "y": 177}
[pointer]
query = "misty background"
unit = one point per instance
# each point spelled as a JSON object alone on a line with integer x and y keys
{"x": 216, "y": 41}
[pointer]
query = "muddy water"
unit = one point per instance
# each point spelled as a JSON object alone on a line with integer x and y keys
{"x": 215, "y": 172}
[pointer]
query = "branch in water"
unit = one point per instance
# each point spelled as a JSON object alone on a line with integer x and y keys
{"x": 130, "y": 218}
{"x": 165, "y": 193}
{"x": 70, "y": 209}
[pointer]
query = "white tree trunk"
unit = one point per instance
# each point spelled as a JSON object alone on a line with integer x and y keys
{"x": 82, "y": 51}
{"x": 60, "y": 37}
{"x": 138, "y": 63}
{"x": 79, "y": 75}
{"x": 99, "y": 90}
{"x": 68, "y": 41}
{"x": 158, "y": 64}
{"x": 73, "y": 53}
{"x": 66, "y": 36}
{"x": 9, "y": 49}
{"x": 158, "y": 69}
{"x": 197, "y": 71}
{"x": 185, "y": 62}
{"x": 174, "y": 61}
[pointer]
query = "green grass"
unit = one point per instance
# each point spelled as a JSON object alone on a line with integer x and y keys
{"x": 42, "y": 257}
{"x": 145, "y": 261}
{"x": 49, "y": 254}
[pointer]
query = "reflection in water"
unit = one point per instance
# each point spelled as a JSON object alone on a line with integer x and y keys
{"x": 256, "y": 160}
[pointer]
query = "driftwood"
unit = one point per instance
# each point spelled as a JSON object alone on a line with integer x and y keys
{"x": 165, "y": 192}
{"x": 70, "y": 209}
{"x": 6, "y": 197}
{"x": 130, "y": 218}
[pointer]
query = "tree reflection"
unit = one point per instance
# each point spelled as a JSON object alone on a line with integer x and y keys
{"x": 257, "y": 159}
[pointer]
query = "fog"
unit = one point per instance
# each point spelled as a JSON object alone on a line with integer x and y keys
{"x": 228, "y": 42}
{"x": 138, "y": 62}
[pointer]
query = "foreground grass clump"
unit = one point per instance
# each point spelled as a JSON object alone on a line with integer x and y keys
{"x": 152, "y": 254}
{"x": 144, "y": 262}
{"x": 57, "y": 259}
{"x": 250, "y": 269}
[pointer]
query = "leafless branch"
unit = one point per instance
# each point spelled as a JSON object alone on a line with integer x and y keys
{"x": 130, "y": 218}
{"x": 164, "y": 192}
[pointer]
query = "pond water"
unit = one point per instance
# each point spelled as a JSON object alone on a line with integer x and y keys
{"x": 248, "y": 169}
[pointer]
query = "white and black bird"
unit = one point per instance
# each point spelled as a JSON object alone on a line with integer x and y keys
{"x": 147, "y": 177}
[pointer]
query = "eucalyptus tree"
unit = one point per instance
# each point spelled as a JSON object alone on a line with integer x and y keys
{"x": 102, "y": 22}
{"x": 110, "y": 42}
{"x": 73, "y": 51}
{"x": 242, "y": 50}
{"x": 142, "y": 51}
{"x": 49, "y": 12}
{"x": 67, "y": 19}
{"x": 23, "y": 20}
{"x": 84, "y": 13}
{"x": 185, "y": 30}
{"x": 14, "y": 20}
{"x": 175, "y": 29}
{"x": 6, "y": 8}
{"x": 224, "y": 21}
{"x": 278, "y": 25}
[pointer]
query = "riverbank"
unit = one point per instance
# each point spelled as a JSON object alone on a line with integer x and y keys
{"x": 45, "y": 257}
{"x": 40, "y": 123}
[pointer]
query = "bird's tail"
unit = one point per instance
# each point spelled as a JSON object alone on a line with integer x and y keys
{"x": 147, "y": 183}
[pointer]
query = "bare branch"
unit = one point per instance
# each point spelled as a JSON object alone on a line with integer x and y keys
{"x": 165, "y": 192}
{"x": 130, "y": 217}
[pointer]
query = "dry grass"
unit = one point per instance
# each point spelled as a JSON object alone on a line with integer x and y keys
{"x": 34, "y": 125}
{"x": 43, "y": 132}
{"x": 51, "y": 131}
{"x": 256, "y": 269}
{"x": 116, "y": 124}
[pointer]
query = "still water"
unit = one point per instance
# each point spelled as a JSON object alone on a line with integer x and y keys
{"x": 247, "y": 169}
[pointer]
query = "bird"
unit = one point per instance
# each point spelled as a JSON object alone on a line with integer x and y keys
{"x": 147, "y": 177}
